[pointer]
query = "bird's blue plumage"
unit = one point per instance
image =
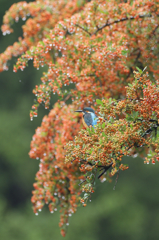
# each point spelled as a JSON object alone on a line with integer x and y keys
{"x": 90, "y": 119}
{"x": 89, "y": 116}
{"x": 94, "y": 118}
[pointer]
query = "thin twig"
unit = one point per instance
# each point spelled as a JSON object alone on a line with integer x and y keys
{"x": 66, "y": 98}
{"x": 82, "y": 181}
{"x": 116, "y": 180}
{"x": 153, "y": 32}
{"x": 83, "y": 29}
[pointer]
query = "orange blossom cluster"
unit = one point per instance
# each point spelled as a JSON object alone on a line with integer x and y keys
{"x": 95, "y": 51}
{"x": 56, "y": 182}
{"x": 40, "y": 17}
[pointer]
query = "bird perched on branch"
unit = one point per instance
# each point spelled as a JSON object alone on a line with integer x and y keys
{"x": 89, "y": 117}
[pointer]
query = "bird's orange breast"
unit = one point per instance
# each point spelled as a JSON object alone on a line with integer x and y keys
{"x": 86, "y": 126}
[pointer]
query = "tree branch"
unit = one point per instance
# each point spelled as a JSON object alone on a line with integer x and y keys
{"x": 119, "y": 20}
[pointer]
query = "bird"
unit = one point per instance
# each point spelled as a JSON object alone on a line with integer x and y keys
{"x": 89, "y": 117}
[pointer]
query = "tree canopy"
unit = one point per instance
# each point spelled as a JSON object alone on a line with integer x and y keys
{"x": 102, "y": 54}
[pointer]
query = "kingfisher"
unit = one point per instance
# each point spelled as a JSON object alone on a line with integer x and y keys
{"x": 89, "y": 117}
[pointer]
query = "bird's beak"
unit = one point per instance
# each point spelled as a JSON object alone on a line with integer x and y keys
{"x": 78, "y": 111}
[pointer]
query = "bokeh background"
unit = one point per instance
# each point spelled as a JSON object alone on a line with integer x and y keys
{"x": 131, "y": 211}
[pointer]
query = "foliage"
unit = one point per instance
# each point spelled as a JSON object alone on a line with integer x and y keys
{"x": 91, "y": 49}
{"x": 123, "y": 127}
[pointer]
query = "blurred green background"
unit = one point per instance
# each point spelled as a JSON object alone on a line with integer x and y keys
{"x": 129, "y": 212}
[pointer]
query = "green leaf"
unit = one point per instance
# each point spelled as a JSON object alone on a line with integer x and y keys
{"x": 131, "y": 126}
{"x": 103, "y": 125}
{"x": 111, "y": 119}
{"x": 139, "y": 70}
{"x": 103, "y": 134}
{"x": 89, "y": 131}
{"x": 28, "y": 52}
{"x": 76, "y": 51}
{"x": 92, "y": 130}
{"x": 90, "y": 150}
{"x": 110, "y": 100}
{"x": 78, "y": 4}
{"x": 49, "y": 9}
{"x": 98, "y": 101}
{"x": 42, "y": 43}
{"x": 129, "y": 24}
{"x": 124, "y": 52}
{"x": 86, "y": 195}
{"x": 144, "y": 69}
{"x": 129, "y": 118}
{"x": 31, "y": 39}
{"x": 135, "y": 114}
